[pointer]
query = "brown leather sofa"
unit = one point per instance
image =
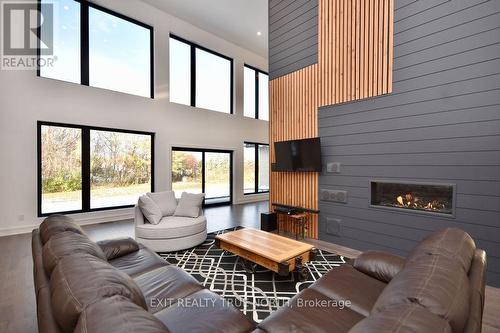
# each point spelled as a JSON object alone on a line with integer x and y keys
{"x": 439, "y": 287}
{"x": 118, "y": 286}
{"x": 122, "y": 286}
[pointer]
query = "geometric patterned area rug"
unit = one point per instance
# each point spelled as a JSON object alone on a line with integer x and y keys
{"x": 256, "y": 294}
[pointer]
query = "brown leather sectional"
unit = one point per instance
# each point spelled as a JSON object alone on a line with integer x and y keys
{"x": 122, "y": 286}
{"x": 118, "y": 286}
{"x": 439, "y": 287}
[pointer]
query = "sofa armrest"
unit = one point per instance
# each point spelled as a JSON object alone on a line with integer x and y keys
{"x": 379, "y": 265}
{"x": 138, "y": 216}
{"x": 115, "y": 248}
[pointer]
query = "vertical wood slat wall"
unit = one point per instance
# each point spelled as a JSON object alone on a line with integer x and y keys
{"x": 294, "y": 100}
{"x": 355, "y": 49}
{"x": 355, "y": 62}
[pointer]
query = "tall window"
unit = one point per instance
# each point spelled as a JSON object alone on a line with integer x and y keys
{"x": 200, "y": 77}
{"x": 203, "y": 171}
{"x": 84, "y": 168}
{"x": 255, "y": 168}
{"x": 66, "y": 40}
{"x": 61, "y": 168}
{"x": 256, "y": 93}
{"x": 100, "y": 48}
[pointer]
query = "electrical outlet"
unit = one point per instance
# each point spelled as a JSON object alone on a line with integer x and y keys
{"x": 333, "y": 226}
{"x": 341, "y": 196}
{"x": 333, "y": 167}
{"x": 20, "y": 218}
{"x": 324, "y": 195}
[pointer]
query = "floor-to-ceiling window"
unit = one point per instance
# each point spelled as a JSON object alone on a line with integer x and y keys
{"x": 255, "y": 168}
{"x": 83, "y": 168}
{"x": 203, "y": 171}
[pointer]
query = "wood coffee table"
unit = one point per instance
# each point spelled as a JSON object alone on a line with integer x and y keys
{"x": 276, "y": 253}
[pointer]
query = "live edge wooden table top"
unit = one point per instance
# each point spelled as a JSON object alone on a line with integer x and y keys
{"x": 277, "y": 253}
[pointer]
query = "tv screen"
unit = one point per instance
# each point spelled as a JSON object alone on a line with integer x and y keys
{"x": 298, "y": 155}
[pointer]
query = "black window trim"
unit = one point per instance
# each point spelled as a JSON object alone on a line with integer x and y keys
{"x": 257, "y": 162}
{"x": 203, "y": 176}
{"x": 257, "y": 88}
{"x": 84, "y": 42}
{"x": 85, "y": 165}
{"x": 193, "y": 46}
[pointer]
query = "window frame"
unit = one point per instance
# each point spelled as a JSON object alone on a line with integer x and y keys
{"x": 257, "y": 164}
{"x": 86, "y": 165}
{"x": 203, "y": 174}
{"x": 84, "y": 43}
{"x": 193, "y": 46}
{"x": 257, "y": 88}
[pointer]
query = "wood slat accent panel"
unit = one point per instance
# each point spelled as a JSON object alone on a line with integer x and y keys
{"x": 294, "y": 105}
{"x": 355, "y": 62}
{"x": 355, "y": 49}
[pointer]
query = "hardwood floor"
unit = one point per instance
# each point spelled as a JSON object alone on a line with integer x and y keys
{"x": 17, "y": 296}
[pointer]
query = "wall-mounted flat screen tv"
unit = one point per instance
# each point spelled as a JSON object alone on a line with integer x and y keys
{"x": 298, "y": 155}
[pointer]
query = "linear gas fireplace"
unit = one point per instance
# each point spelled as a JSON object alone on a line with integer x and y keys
{"x": 416, "y": 197}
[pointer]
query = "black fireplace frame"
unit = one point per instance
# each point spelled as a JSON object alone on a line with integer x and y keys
{"x": 408, "y": 210}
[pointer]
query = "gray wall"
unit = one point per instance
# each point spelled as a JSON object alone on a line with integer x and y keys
{"x": 293, "y": 35}
{"x": 441, "y": 124}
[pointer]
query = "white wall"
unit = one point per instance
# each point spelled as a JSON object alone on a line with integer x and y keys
{"x": 26, "y": 98}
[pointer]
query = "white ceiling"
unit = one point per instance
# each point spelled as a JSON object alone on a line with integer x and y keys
{"x": 237, "y": 21}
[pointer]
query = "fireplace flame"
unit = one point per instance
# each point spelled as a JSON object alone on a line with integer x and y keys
{"x": 411, "y": 201}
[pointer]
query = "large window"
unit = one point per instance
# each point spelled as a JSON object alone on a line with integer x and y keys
{"x": 61, "y": 168}
{"x": 66, "y": 40}
{"x": 255, "y": 168}
{"x": 256, "y": 93}
{"x": 85, "y": 168}
{"x": 200, "y": 77}
{"x": 100, "y": 48}
{"x": 203, "y": 171}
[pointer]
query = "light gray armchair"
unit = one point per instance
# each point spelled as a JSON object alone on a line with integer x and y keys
{"x": 173, "y": 233}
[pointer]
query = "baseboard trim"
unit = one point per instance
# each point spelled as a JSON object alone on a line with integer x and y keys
{"x": 252, "y": 198}
{"x": 81, "y": 219}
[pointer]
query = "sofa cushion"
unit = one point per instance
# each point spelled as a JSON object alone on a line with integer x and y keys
{"x": 172, "y": 227}
{"x": 138, "y": 262}
{"x": 166, "y": 201}
{"x": 204, "y": 311}
{"x": 382, "y": 266}
{"x": 163, "y": 286}
{"x": 189, "y": 205}
{"x": 347, "y": 283}
{"x": 150, "y": 209}
{"x": 55, "y": 224}
{"x": 118, "y": 315}
{"x": 452, "y": 243}
{"x": 118, "y": 247}
{"x": 402, "y": 318}
{"x": 82, "y": 279}
{"x": 434, "y": 282}
{"x": 311, "y": 311}
{"x": 67, "y": 243}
